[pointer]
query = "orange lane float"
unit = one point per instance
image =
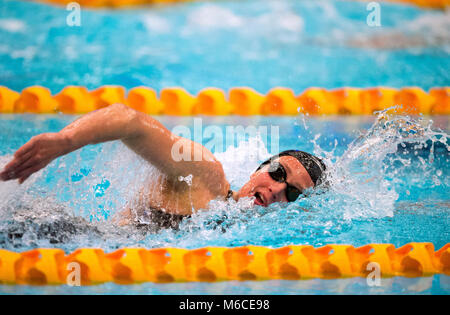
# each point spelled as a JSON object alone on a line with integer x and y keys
{"x": 245, "y": 101}
{"x": 75, "y": 100}
{"x": 239, "y": 101}
{"x": 177, "y": 101}
{"x": 280, "y": 101}
{"x": 293, "y": 262}
{"x": 36, "y": 100}
{"x": 145, "y": 100}
{"x": 211, "y": 101}
{"x": 7, "y": 99}
{"x": 441, "y": 101}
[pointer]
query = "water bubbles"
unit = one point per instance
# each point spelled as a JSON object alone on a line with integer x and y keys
{"x": 187, "y": 179}
{"x": 99, "y": 189}
{"x": 247, "y": 156}
{"x": 378, "y": 166}
{"x": 436, "y": 180}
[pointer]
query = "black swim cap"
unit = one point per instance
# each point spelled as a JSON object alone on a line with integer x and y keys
{"x": 313, "y": 165}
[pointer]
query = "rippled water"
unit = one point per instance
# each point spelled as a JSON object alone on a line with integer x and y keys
{"x": 388, "y": 183}
{"x": 389, "y": 176}
{"x": 438, "y": 284}
{"x": 389, "y": 180}
{"x": 256, "y": 43}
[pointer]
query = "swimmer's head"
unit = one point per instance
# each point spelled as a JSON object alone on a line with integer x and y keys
{"x": 284, "y": 177}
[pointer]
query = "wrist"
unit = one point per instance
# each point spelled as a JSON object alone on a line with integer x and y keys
{"x": 66, "y": 141}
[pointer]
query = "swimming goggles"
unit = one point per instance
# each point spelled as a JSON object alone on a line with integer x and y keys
{"x": 278, "y": 173}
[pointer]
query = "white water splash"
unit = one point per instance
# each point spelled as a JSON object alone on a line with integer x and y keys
{"x": 362, "y": 181}
{"x": 241, "y": 161}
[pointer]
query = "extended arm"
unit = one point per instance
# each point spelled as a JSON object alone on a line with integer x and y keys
{"x": 140, "y": 132}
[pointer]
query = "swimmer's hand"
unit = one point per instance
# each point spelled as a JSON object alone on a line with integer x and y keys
{"x": 35, "y": 155}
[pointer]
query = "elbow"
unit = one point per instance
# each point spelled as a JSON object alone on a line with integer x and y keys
{"x": 120, "y": 109}
{"x": 126, "y": 114}
{"x": 130, "y": 120}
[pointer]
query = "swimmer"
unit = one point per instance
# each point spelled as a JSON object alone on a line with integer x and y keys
{"x": 282, "y": 178}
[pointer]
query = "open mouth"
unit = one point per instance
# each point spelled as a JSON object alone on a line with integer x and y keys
{"x": 259, "y": 199}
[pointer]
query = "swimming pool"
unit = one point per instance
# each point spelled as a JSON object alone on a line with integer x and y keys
{"x": 260, "y": 44}
{"x": 406, "y": 200}
{"x": 390, "y": 184}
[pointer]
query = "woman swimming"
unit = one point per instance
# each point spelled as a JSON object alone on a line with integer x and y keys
{"x": 282, "y": 178}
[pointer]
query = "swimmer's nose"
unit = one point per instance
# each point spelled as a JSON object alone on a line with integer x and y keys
{"x": 277, "y": 191}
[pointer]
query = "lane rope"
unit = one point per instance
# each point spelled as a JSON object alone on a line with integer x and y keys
{"x": 294, "y": 262}
{"x": 238, "y": 101}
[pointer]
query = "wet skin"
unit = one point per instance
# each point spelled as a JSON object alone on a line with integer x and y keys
{"x": 152, "y": 141}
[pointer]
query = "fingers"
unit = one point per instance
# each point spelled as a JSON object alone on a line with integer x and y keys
{"x": 21, "y": 156}
{"x": 25, "y": 148}
{"x": 31, "y": 157}
{"x": 22, "y": 179}
{"x": 18, "y": 161}
{"x": 28, "y": 163}
{"x": 17, "y": 165}
{"x": 24, "y": 174}
{"x": 5, "y": 175}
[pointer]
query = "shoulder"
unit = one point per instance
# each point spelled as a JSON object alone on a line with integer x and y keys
{"x": 212, "y": 175}
{"x": 191, "y": 158}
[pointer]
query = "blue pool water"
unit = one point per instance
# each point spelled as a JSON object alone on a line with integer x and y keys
{"x": 390, "y": 178}
{"x": 261, "y": 44}
{"x": 71, "y": 202}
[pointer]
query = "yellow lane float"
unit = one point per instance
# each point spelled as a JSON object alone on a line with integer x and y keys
{"x": 315, "y": 101}
{"x": 107, "y": 95}
{"x": 294, "y": 262}
{"x": 239, "y": 101}
{"x": 441, "y": 101}
{"x": 145, "y": 100}
{"x": 245, "y": 101}
{"x": 37, "y": 100}
{"x": 75, "y": 100}
{"x": 376, "y": 99}
{"x": 177, "y": 101}
{"x": 280, "y": 101}
{"x": 7, "y": 99}
{"x": 211, "y": 101}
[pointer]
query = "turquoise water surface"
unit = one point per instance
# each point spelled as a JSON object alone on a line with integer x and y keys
{"x": 389, "y": 175}
{"x": 70, "y": 203}
{"x": 261, "y": 44}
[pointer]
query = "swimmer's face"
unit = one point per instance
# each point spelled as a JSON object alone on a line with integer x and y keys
{"x": 266, "y": 190}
